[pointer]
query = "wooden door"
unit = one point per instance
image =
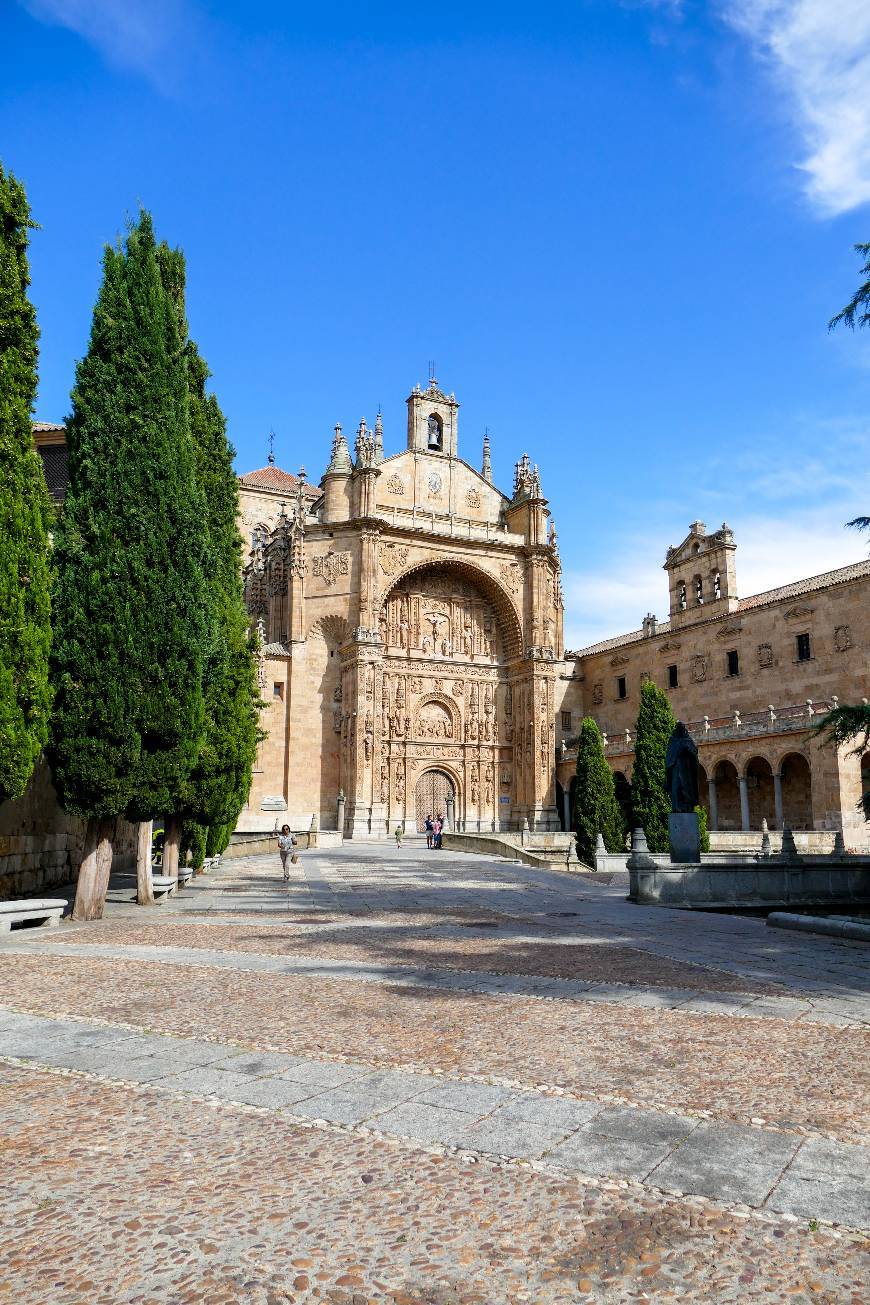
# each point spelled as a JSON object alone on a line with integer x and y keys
{"x": 433, "y": 790}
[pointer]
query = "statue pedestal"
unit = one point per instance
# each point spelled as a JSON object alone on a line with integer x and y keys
{"x": 685, "y": 837}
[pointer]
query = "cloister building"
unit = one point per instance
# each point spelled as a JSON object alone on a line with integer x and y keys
{"x": 751, "y": 677}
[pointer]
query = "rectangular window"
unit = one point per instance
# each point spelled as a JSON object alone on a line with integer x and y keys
{"x": 566, "y": 720}
{"x": 733, "y": 663}
{"x": 804, "y": 653}
{"x": 621, "y": 690}
{"x": 278, "y": 689}
{"x": 673, "y": 677}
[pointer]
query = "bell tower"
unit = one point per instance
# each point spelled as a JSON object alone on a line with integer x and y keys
{"x": 702, "y": 577}
{"x": 433, "y": 421}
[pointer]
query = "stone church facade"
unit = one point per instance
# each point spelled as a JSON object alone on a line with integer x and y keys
{"x": 412, "y": 654}
{"x": 411, "y": 624}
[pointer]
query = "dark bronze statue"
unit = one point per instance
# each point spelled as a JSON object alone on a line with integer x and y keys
{"x": 681, "y": 768}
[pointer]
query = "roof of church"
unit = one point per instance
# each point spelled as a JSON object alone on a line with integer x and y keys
{"x": 272, "y": 477}
{"x": 812, "y": 583}
{"x": 48, "y": 425}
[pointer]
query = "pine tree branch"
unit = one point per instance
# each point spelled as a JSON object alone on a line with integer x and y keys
{"x": 860, "y": 299}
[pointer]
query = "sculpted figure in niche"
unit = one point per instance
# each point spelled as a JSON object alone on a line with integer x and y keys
{"x": 681, "y": 769}
{"x": 385, "y": 782}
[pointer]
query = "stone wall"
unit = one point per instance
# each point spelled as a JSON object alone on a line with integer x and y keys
{"x": 41, "y": 846}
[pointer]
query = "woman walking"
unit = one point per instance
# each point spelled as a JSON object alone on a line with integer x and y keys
{"x": 287, "y": 850}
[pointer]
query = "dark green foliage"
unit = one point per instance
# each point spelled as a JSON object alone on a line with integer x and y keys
{"x": 858, "y": 307}
{"x": 701, "y": 813}
{"x": 649, "y": 794}
{"x": 848, "y": 724}
{"x": 623, "y": 797}
{"x": 192, "y": 845}
{"x": 130, "y": 625}
{"x": 596, "y": 810}
{"x": 25, "y": 513}
{"x": 217, "y": 838}
{"x": 221, "y": 779}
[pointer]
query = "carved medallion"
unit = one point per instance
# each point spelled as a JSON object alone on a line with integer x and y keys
{"x": 510, "y": 574}
{"x": 330, "y": 566}
{"x": 395, "y": 484}
{"x": 598, "y": 694}
{"x": 699, "y": 668}
{"x": 434, "y": 483}
{"x": 765, "y": 655}
{"x": 393, "y": 557}
{"x": 472, "y": 498}
{"x": 842, "y": 638}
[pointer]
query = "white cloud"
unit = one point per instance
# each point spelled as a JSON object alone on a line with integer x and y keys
{"x": 819, "y": 52}
{"x": 142, "y": 35}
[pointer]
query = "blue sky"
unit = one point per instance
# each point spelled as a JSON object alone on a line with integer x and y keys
{"x": 618, "y": 228}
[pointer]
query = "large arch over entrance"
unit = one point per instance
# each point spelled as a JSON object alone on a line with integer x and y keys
{"x": 434, "y": 795}
{"x": 490, "y": 588}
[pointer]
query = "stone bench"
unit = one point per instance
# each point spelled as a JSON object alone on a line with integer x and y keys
{"x": 163, "y": 885}
{"x": 46, "y": 910}
{"x": 185, "y": 874}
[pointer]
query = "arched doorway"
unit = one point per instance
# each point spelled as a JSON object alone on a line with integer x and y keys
{"x": 727, "y": 797}
{"x": 434, "y": 790}
{"x": 797, "y": 798}
{"x": 760, "y": 792}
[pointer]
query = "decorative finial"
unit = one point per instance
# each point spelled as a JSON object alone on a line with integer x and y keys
{"x": 433, "y": 384}
{"x": 486, "y": 469}
{"x": 271, "y": 458}
{"x": 379, "y": 438}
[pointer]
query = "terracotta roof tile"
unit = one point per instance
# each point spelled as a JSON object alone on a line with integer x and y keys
{"x": 48, "y": 425}
{"x": 275, "y": 478}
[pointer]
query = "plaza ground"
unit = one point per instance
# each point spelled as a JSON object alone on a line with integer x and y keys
{"x": 428, "y": 1077}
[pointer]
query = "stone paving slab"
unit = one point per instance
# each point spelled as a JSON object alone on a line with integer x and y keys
{"x": 727, "y": 1162}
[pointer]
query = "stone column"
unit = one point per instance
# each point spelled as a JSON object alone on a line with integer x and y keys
{"x": 566, "y": 799}
{"x": 448, "y": 822}
{"x": 714, "y": 805}
{"x": 744, "y": 803}
{"x": 340, "y": 813}
{"x": 777, "y": 797}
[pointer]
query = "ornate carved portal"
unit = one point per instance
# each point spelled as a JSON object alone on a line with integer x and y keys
{"x": 434, "y": 789}
{"x": 449, "y": 693}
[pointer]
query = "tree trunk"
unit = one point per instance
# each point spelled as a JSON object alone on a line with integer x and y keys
{"x": 144, "y": 886}
{"x": 94, "y": 871}
{"x": 170, "y": 847}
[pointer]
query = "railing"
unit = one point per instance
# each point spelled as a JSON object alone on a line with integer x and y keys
{"x": 448, "y": 523}
{"x": 710, "y": 729}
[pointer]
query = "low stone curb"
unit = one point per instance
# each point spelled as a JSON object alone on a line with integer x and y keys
{"x": 833, "y": 926}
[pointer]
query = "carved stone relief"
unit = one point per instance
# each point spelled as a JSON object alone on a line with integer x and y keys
{"x": 699, "y": 668}
{"x": 842, "y": 638}
{"x": 329, "y": 566}
{"x": 765, "y": 655}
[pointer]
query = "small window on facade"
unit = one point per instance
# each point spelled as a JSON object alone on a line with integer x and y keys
{"x": 733, "y": 663}
{"x": 699, "y": 591}
{"x": 278, "y": 689}
{"x": 681, "y": 596}
{"x": 566, "y": 720}
{"x": 717, "y": 585}
{"x": 673, "y": 677}
{"x": 621, "y": 690}
{"x": 804, "y": 653}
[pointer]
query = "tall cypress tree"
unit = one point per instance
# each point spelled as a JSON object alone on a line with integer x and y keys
{"x": 649, "y": 791}
{"x": 221, "y": 779}
{"x": 25, "y": 512}
{"x": 130, "y": 627}
{"x": 596, "y": 810}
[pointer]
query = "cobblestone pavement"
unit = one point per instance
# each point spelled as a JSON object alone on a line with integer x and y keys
{"x": 424, "y": 1079}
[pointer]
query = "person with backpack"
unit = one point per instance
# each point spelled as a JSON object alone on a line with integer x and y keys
{"x": 429, "y": 827}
